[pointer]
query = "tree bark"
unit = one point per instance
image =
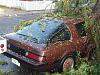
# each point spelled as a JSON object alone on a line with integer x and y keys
{"x": 96, "y": 13}
{"x": 96, "y": 8}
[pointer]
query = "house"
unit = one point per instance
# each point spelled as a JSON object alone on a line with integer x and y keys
{"x": 28, "y": 4}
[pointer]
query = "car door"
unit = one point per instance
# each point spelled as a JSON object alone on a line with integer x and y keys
{"x": 59, "y": 45}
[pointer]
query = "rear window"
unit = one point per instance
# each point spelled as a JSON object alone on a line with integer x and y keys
{"x": 40, "y": 32}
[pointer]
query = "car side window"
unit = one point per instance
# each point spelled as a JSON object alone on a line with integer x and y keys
{"x": 62, "y": 35}
{"x": 81, "y": 29}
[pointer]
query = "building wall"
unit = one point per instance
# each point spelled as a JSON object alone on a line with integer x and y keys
{"x": 28, "y": 5}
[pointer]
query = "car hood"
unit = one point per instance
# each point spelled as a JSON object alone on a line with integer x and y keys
{"x": 23, "y": 42}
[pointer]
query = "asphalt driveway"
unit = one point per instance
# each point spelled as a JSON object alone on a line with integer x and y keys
{"x": 11, "y": 17}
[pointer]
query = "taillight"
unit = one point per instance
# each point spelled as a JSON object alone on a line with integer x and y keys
{"x": 34, "y": 57}
{"x": 2, "y": 45}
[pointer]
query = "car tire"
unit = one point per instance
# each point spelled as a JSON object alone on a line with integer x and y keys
{"x": 67, "y": 64}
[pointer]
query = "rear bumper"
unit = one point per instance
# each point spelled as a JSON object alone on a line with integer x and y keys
{"x": 34, "y": 65}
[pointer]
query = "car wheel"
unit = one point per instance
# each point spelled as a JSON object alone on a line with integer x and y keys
{"x": 67, "y": 64}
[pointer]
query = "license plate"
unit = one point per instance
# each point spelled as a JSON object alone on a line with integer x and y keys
{"x": 15, "y": 62}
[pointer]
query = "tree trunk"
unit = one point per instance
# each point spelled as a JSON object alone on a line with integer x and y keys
{"x": 96, "y": 8}
{"x": 96, "y": 13}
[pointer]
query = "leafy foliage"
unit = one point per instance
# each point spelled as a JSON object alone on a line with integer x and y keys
{"x": 81, "y": 8}
{"x": 75, "y": 9}
{"x": 24, "y": 24}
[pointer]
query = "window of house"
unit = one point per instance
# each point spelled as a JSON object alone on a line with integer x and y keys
{"x": 62, "y": 35}
{"x": 81, "y": 29}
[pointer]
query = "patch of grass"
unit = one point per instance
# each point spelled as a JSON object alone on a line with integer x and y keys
{"x": 3, "y": 63}
{"x": 3, "y": 6}
{"x": 1, "y": 73}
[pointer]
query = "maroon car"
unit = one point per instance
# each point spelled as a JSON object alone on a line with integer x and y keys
{"x": 49, "y": 44}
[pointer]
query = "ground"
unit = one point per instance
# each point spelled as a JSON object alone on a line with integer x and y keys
{"x": 8, "y": 19}
{"x": 11, "y": 17}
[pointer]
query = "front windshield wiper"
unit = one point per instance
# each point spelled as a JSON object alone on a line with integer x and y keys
{"x": 35, "y": 40}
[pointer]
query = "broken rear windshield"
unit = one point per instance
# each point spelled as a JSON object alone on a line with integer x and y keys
{"x": 41, "y": 31}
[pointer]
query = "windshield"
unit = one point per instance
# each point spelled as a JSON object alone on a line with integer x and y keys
{"x": 40, "y": 31}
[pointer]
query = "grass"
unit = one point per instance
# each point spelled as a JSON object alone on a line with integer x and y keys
{"x": 1, "y": 73}
{"x": 3, "y": 63}
{"x": 3, "y": 6}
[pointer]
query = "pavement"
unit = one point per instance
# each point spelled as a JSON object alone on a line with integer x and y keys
{"x": 9, "y": 18}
